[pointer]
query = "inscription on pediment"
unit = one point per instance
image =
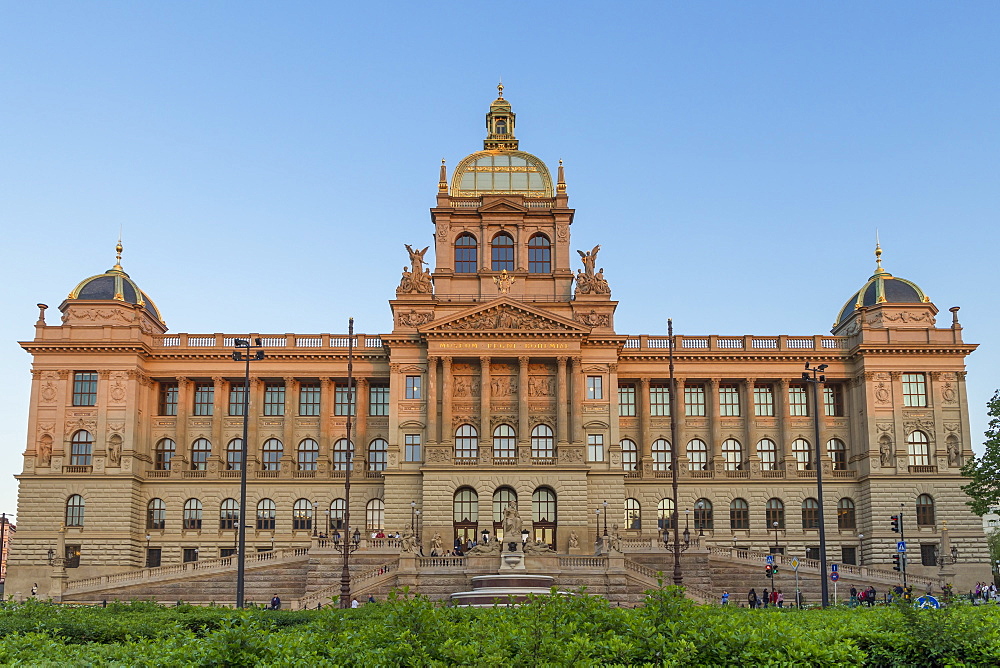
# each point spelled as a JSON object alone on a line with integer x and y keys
{"x": 502, "y": 317}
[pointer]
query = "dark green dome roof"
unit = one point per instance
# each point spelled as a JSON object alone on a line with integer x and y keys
{"x": 115, "y": 285}
{"x": 882, "y": 288}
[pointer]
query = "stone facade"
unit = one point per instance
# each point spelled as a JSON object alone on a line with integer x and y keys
{"x": 503, "y": 371}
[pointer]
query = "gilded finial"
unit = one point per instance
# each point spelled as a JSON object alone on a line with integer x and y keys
{"x": 500, "y": 89}
{"x": 878, "y": 255}
{"x": 118, "y": 255}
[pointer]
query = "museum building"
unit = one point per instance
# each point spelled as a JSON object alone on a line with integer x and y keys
{"x": 502, "y": 381}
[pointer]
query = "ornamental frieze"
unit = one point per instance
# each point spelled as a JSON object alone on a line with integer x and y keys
{"x": 413, "y": 318}
{"x": 502, "y": 317}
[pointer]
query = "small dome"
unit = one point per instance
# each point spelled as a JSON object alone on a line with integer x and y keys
{"x": 882, "y": 288}
{"x": 501, "y": 172}
{"x": 115, "y": 285}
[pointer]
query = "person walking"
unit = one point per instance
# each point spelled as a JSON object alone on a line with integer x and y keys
{"x": 765, "y": 598}
{"x": 275, "y": 603}
{"x": 752, "y": 598}
{"x": 725, "y": 598}
{"x": 354, "y": 603}
{"x": 779, "y": 599}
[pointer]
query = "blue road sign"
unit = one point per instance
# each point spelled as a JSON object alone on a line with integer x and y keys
{"x": 901, "y": 546}
{"x": 928, "y": 601}
{"x": 833, "y": 568}
{"x": 835, "y": 576}
{"x": 770, "y": 559}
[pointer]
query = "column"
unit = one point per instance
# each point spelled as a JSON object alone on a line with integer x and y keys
{"x": 101, "y": 431}
{"x": 522, "y": 400}
{"x": 642, "y": 412}
{"x": 253, "y": 429}
{"x": 781, "y": 412}
{"x": 219, "y": 412}
{"x": 430, "y": 403}
{"x": 184, "y": 403}
{"x": 562, "y": 404}
{"x": 748, "y": 413}
{"x": 447, "y": 431}
{"x": 484, "y": 396}
{"x": 361, "y": 412}
{"x": 680, "y": 447}
{"x": 576, "y": 404}
{"x": 288, "y": 421}
{"x": 714, "y": 426}
{"x": 615, "y": 431}
{"x": 325, "y": 415}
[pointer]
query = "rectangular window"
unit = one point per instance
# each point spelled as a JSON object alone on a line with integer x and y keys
{"x": 237, "y": 394}
{"x": 190, "y": 554}
{"x": 85, "y": 388}
{"x": 595, "y": 387}
{"x": 729, "y": 401}
{"x": 413, "y": 387}
{"x": 412, "y": 448}
{"x": 928, "y": 554}
{"x": 204, "y": 398}
{"x": 378, "y": 400}
{"x": 659, "y": 399}
{"x": 812, "y": 553}
{"x": 798, "y": 403}
{"x": 228, "y": 551}
{"x": 343, "y": 400}
{"x": 694, "y": 400}
{"x": 274, "y": 399}
{"x": 153, "y": 557}
{"x": 626, "y": 400}
{"x": 849, "y": 555}
{"x": 309, "y": 394}
{"x": 833, "y": 400}
{"x": 595, "y": 447}
{"x": 763, "y": 401}
{"x": 168, "y": 399}
{"x": 914, "y": 389}
{"x": 72, "y": 556}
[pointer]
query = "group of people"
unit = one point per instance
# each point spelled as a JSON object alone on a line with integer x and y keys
{"x": 983, "y": 593}
{"x": 774, "y": 598}
{"x": 866, "y": 596}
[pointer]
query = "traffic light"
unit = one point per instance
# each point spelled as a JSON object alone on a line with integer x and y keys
{"x": 768, "y": 570}
{"x": 895, "y": 562}
{"x": 774, "y": 569}
{"x": 895, "y": 523}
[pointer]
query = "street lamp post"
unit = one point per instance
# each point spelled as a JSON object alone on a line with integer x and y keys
{"x": 672, "y": 406}
{"x": 861, "y": 549}
{"x": 814, "y": 376}
{"x": 597, "y": 528}
{"x": 605, "y": 519}
{"x": 416, "y": 531}
{"x": 315, "y": 517}
{"x": 413, "y": 517}
{"x": 148, "y": 538}
{"x": 241, "y": 549}
{"x": 774, "y": 525}
{"x": 351, "y": 540}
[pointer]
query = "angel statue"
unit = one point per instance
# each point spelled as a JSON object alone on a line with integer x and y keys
{"x": 590, "y": 259}
{"x": 416, "y": 259}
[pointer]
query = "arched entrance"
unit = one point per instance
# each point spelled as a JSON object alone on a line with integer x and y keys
{"x": 543, "y": 516}
{"x": 466, "y": 515}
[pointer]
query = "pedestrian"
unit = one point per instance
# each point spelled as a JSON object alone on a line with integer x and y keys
{"x": 275, "y": 603}
{"x": 371, "y": 598}
{"x": 774, "y": 598}
{"x": 854, "y": 596}
{"x": 752, "y": 598}
{"x": 780, "y": 599}
{"x": 34, "y": 589}
{"x": 725, "y": 598}
{"x": 765, "y": 597}
{"x": 354, "y": 603}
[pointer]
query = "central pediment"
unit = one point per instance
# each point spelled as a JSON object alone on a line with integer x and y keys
{"x": 505, "y": 315}
{"x": 503, "y": 204}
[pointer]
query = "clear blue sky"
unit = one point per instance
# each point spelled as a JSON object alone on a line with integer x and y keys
{"x": 268, "y": 161}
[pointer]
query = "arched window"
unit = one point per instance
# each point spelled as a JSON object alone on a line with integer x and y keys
{"x": 343, "y": 455}
{"x": 630, "y": 455}
{"x": 802, "y": 452}
{"x": 810, "y": 514}
{"x": 465, "y": 254}
{"x": 697, "y": 454}
{"x": 542, "y": 443}
{"x": 273, "y": 449}
{"x": 539, "y": 254}
{"x": 662, "y": 455}
{"x": 229, "y": 514}
{"x": 302, "y": 515}
{"x": 739, "y": 514}
{"x": 925, "y": 510}
{"x": 465, "y": 515}
{"x": 234, "y": 455}
{"x": 165, "y": 450}
{"x": 703, "y": 518}
{"x": 375, "y": 515}
{"x": 200, "y": 451}
{"x": 266, "y": 512}
{"x": 774, "y": 514}
{"x": 503, "y": 497}
{"x": 845, "y": 514}
{"x": 504, "y": 442}
{"x": 156, "y": 515}
{"x": 665, "y": 514}
{"x": 633, "y": 515}
{"x": 543, "y": 516}
{"x": 378, "y": 453}
{"x": 919, "y": 447}
{"x": 74, "y": 511}
{"x": 337, "y": 508}
{"x": 308, "y": 454}
{"x": 81, "y": 448}
{"x": 466, "y": 442}
{"x": 767, "y": 450}
{"x": 732, "y": 452}
{"x": 503, "y": 252}
{"x": 192, "y": 514}
{"x": 838, "y": 453}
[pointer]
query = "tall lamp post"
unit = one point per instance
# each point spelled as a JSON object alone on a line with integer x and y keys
{"x": 605, "y": 519}
{"x": 814, "y": 376}
{"x": 861, "y": 549}
{"x": 351, "y": 540}
{"x": 672, "y": 407}
{"x": 241, "y": 548}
